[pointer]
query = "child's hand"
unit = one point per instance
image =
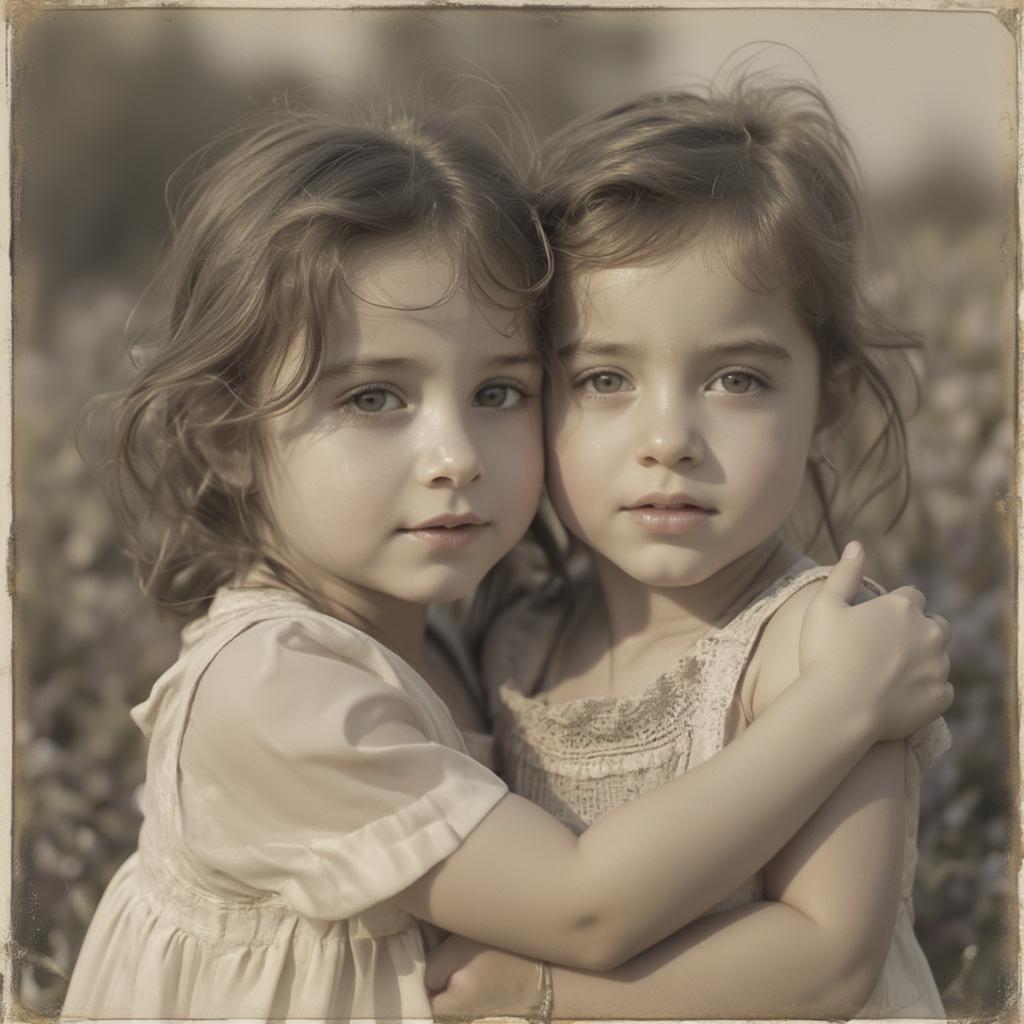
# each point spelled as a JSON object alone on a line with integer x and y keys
{"x": 466, "y": 978}
{"x": 885, "y": 653}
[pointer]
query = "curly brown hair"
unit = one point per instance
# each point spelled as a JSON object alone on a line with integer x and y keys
{"x": 259, "y": 259}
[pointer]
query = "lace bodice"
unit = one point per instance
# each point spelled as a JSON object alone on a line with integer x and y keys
{"x": 582, "y": 758}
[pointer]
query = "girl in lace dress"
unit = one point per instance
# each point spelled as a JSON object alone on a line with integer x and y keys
{"x": 717, "y": 360}
{"x": 338, "y": 426}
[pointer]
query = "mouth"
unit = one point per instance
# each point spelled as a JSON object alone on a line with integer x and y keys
{"x": 447, "y": 532}
{"x": 448, "y": 521}
{"x": 669, "y": 514}
{"x": 670, "y": 502}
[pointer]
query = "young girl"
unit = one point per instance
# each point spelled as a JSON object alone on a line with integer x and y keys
{"x": 339, "y": 426}
{"x": 713, "y": 345}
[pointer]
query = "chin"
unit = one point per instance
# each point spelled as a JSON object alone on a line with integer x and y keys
{"x": 440, "y": 589}
{"x": 671, "y": 571}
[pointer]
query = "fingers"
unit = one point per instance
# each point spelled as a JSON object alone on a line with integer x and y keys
{"x": 912, "y": 594}
{"x": 943, "y": 670}
{"x": 446, "y": 958}
{"x": 443, "y": 1003}
{"x": 944, "y": 626}
{"x": 437, "y": 975}
{"x": 844, "y": 581}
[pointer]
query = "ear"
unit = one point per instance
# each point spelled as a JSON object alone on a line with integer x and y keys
{"x": 838, "y": 394}
{"x": 228, "y": 452}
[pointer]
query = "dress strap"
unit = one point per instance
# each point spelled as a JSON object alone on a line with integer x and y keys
{"x": 724, "y": 654}
{"x": 747, "y": 625}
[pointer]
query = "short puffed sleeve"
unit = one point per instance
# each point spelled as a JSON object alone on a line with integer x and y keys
{"x": 311, "y": 768}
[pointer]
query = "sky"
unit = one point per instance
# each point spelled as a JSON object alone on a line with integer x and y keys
{"x": 908, "y": 85}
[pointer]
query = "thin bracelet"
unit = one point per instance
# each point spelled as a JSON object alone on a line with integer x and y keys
{"x": 546, "y": 990}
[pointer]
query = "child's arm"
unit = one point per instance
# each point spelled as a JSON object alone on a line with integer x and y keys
{"x": 814, "y": 954}
{"x": 522, "y": 882}
{"x": 814, "y": 951}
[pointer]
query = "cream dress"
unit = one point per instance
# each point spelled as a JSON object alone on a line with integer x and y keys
{"x": 311, "y": 777}
{"x": 582, "y": 758}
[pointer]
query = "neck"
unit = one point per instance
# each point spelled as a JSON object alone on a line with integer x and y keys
{"x": 639, "y": 614}
{"x": 399, "y": 625}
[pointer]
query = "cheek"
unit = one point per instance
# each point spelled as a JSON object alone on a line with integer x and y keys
{"x": 515, "y": 467}
{"x": 577, "y": 458}
{"x": 323, "y": 485}
{"x": 768, "y": 462}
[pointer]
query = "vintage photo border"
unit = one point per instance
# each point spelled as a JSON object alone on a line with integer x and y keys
{"x": 1010, "y": 13}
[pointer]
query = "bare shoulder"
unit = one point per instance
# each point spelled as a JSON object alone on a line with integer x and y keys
{"x": 775, "y": 663}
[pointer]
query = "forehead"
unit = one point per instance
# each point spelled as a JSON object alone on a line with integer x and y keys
{"x": 698, "y": 289}
{"x": 400, "y": 275}
{"x": 399, "y": 292}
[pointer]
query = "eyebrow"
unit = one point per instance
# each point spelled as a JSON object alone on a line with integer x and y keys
{"x": 753, "y": 346}
{"x": 366, "y": 366}
{"x": 394, "y": 363}
{"x": 525, "y": 359}
{"x": 743, "y": 346}
{"x": 579, "y": 347}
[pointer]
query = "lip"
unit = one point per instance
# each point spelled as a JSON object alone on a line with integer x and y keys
{"x": 664, "y": 500}
{"x": 448, "y": 521}
{"x": 669, "y": 513}
{"x": 447, "y": 532}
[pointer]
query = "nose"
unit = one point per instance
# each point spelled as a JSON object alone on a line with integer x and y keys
{"x": 450, "y": 457}
{"x": 669, "y": 436}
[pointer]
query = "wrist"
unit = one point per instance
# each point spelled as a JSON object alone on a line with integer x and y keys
{"x": 842, "y": 710}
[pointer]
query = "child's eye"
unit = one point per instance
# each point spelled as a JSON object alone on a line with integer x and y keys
{"x": 499, "y": 396}
{"x": 738, "y": 382}
{"x": 373, "y": 400}
{"x": 604, "y": 382}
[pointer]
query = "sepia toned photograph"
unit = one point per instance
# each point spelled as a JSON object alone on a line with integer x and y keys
{"x": 514, "y": 513}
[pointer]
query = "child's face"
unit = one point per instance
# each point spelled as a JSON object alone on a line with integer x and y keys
{"x": 424, "y": 418}
{"x": 678, "y": 440}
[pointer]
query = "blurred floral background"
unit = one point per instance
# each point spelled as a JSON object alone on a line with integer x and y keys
{"x": 109, "y": 103}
